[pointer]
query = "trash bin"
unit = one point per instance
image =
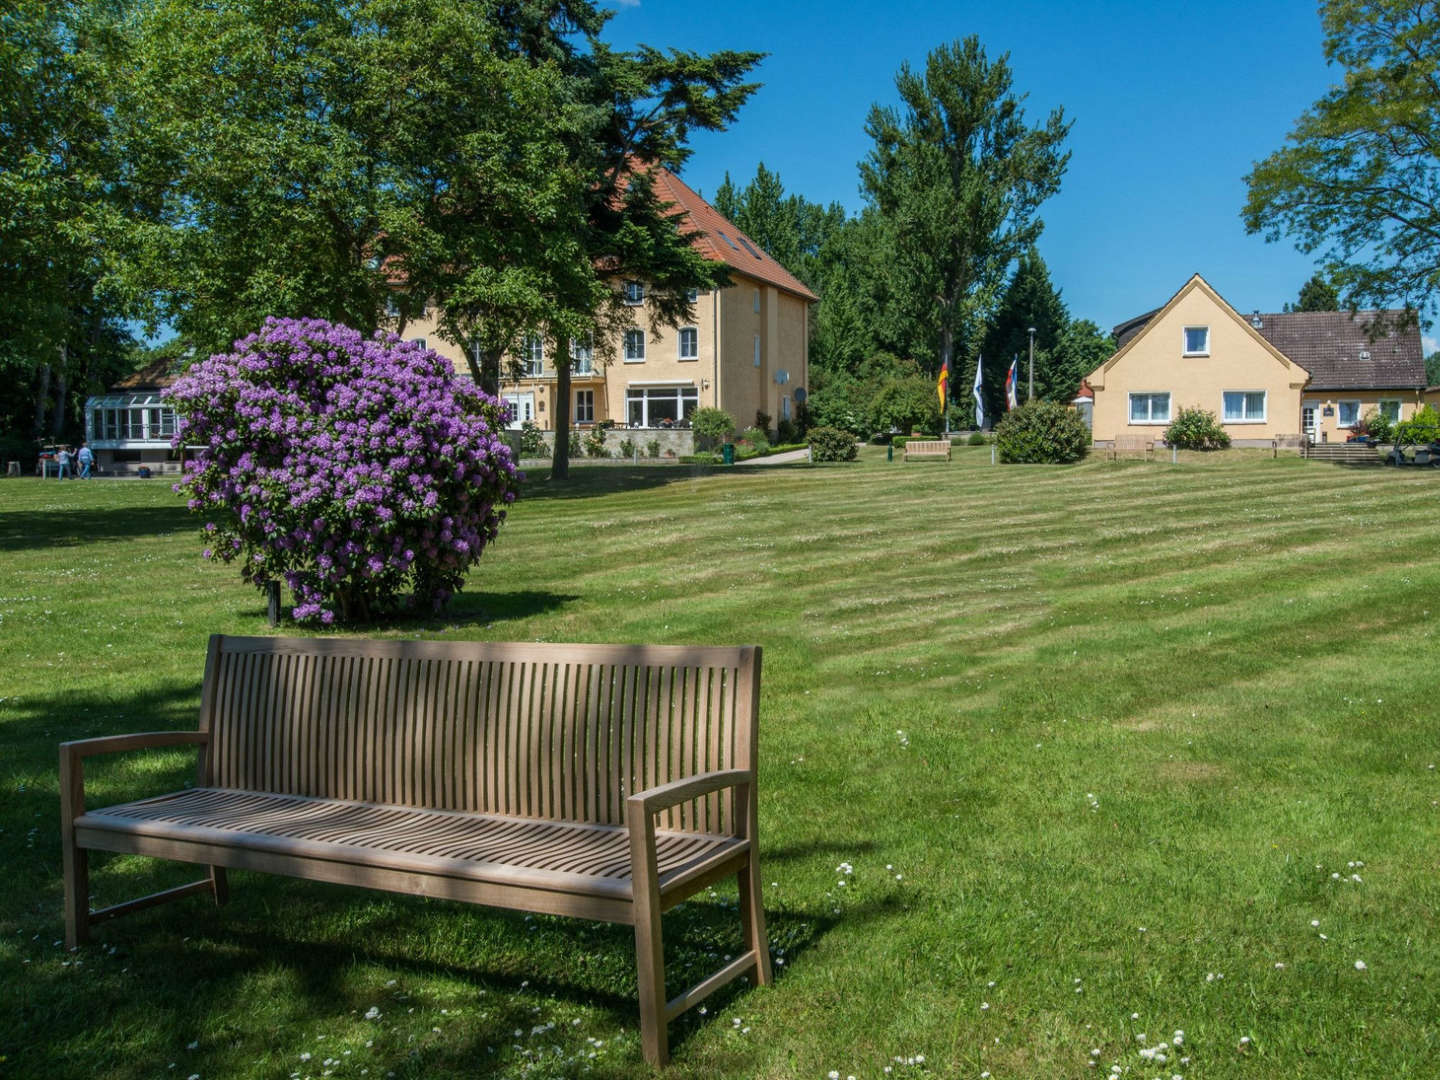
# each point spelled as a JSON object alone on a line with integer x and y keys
{"x": 727, "y": 453}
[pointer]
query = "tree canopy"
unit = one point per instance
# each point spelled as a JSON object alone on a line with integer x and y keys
{"x": 957, "y": 178}
{"x": 1359, "y": 178}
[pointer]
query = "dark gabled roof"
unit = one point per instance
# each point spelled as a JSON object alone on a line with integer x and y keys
{"x": 1130, "y": 327}
{"x": 1330, "y": 345}
{"x": 156, "y": 375}
{"x": 1337, "y": 350}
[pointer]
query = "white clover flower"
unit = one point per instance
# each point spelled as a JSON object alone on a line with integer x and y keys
{"x": 1359, "y": 965}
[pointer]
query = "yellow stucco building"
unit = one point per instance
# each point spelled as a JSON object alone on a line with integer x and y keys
{"x": 1312, "y": 373}
{"x": 746, "y": 351}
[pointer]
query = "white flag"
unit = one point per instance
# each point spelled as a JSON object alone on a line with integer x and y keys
{"x": 979, "y": 402}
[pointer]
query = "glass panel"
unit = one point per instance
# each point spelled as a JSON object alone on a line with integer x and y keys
{"x": 1139, "y": 407}
{"x": 689, "y": 344}
{"x": 636, "y": 405}
{"x": 663, "y": 410}
{"x": 1196, "y": 339}
{"x": 1255, "y": 405}
{"x": 1159, "y": 406}
{"x": 1349, "y": 413}
{"x": 1234, "y": 405}
{"x": 1390, "y": 410}
{"x": 689, "y": 401}
{"x": 634, "y": 344}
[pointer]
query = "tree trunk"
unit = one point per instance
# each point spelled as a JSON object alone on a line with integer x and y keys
{"x": 560, "y": 458}
{"x": 484, "y": 365}
{"x": 42, "y": 401}
{"x": 62, "y": 397}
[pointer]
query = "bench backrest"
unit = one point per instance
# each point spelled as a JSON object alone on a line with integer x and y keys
{"x": 927, "y": 446}
{"x": 560, "y": 732}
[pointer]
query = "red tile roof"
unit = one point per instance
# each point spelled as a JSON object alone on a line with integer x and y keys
{"x": 721, "y": 241}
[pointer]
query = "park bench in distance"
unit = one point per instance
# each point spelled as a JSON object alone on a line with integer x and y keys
{"x": 1132, "y": 444}
{"x": 603, "y": 781}
{"x": 927, "y": 448}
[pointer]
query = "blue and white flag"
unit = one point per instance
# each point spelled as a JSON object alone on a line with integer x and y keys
{"x": 979, "y": 401}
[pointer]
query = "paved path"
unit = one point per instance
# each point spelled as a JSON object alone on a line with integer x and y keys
{"x": 786, "y": 458}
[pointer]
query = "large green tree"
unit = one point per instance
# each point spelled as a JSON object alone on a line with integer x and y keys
{"x": 61, "y": 329}
{"x": 1317, "y": 294}
{"x": 957, "y": 177}
{"x": 1030, "y": 301}
{"x": 1359, "y": 178}
{"x": 357, "y": 161}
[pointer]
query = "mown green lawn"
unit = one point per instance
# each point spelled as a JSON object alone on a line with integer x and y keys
{"x": 1114, "y": 751}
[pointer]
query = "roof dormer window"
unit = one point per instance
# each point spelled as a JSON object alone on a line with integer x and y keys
{"x": 1197, "y": 341}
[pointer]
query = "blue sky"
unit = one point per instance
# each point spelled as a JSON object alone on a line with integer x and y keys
{"x": 1171, "y": 103}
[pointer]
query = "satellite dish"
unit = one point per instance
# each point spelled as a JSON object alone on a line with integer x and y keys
{"x": 800, "y": 395}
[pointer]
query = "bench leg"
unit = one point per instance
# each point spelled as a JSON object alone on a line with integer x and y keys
{"x": 77, "y": 894}
{"x": 220, "y": 885}
{"x": 650, "y": 974}
{"x": 752, "y": 922}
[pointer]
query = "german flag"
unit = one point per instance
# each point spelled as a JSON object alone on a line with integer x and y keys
{"x": 942, "y": 384}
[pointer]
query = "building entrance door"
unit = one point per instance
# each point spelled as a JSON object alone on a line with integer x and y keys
{"x": 1309, "y": 420}
{"x": 522, "y": 409}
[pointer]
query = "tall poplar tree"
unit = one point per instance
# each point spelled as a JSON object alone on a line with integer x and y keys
{"x": 957, "y": 178}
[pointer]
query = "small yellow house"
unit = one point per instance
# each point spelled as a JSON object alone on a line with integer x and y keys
{"x": 1263, "y": 376}
{"x": 746, "y": 351}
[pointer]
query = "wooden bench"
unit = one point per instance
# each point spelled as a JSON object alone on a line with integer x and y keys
{"x": 1131, "y": 444}
{"x": 1288, "y": 442}
{"x": 927, "y": 448}
{"x": 602, "y": 781}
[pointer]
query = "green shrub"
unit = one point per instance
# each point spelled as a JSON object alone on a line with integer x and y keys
{"x": 786, "y": 432}
{"x": 628, "y": 447}
{"x": 575, "y": 449}
{"x": 762, "y": 421}
{"x": 1423, "y": 427}
{"x": 700, "y": 459}
{"x": 1042, "y": 432}
{"x": 908, "y": 405}
{"x": 977, "y": 438}
{"x": 712, "y": 427}
{"x": 1378, "y": 427}
{"x": 831, "y": 444}
{"x": 595, "y": 444}
{"x": 1196, "y": 429}
{"x": 531, "y": 444}
{"x": 756, "y": 438}
{"x": 652, "y": 448}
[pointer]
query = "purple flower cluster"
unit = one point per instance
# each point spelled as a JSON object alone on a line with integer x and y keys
{"x": 355, "y": 470}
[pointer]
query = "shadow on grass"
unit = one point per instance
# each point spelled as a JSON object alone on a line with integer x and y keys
{"x": 290, "y": 961}
{"x": 464, "y": 610}
{"x": 22, "y": 530}
{"x": 592, "y": 480}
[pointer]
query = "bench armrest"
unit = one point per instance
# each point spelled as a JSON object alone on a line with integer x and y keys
{"x": 652, "y": 800}
{"x": 112, "y": 744}
{"x": 73, "y": 755}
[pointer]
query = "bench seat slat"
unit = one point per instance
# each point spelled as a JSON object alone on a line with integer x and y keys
{"x": 579, "y": 858}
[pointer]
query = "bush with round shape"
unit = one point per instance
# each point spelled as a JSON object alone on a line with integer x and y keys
{"x": 1375, "y": 426}
{"x": 1041, "y": 432}
{"x": 1196, "y": 429}
{"x": 757, "y": 439}
{"x": 1423, "y": 427}
{"x": 712, "y": 427}
{"x": 831, "y": 444}
{"x": 977, "y": 438}
{"x": 360, "y": 471}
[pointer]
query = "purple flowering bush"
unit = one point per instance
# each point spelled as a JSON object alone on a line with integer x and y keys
{"x": 361, "y": 472}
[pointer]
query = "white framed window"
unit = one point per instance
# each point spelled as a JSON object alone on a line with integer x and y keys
{"x": 689, "y": 343}
{"x": 392, "y": 307}
{"x": 660, "y": 406}
{"x": 634, "y": 346}
{"x": 757, "y": 301}
{"x": 418, "y": 341}
{"x": 1152, "y": 408}
{"x": 634, "y": 292}
{"x": 692, "y": 295}
{"x": 1197, "y": 341}
{"x": 784, "y": 406}
{"x": 757, "y": 350}
{"x": 533, "y": 356}
{"x": 582, "y": 355}
{"x": 1244, "y": 407}
{"x": 1347, "y": 413}
{"x": 584, "y": 406}
{"x": 1390, "y": 409}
